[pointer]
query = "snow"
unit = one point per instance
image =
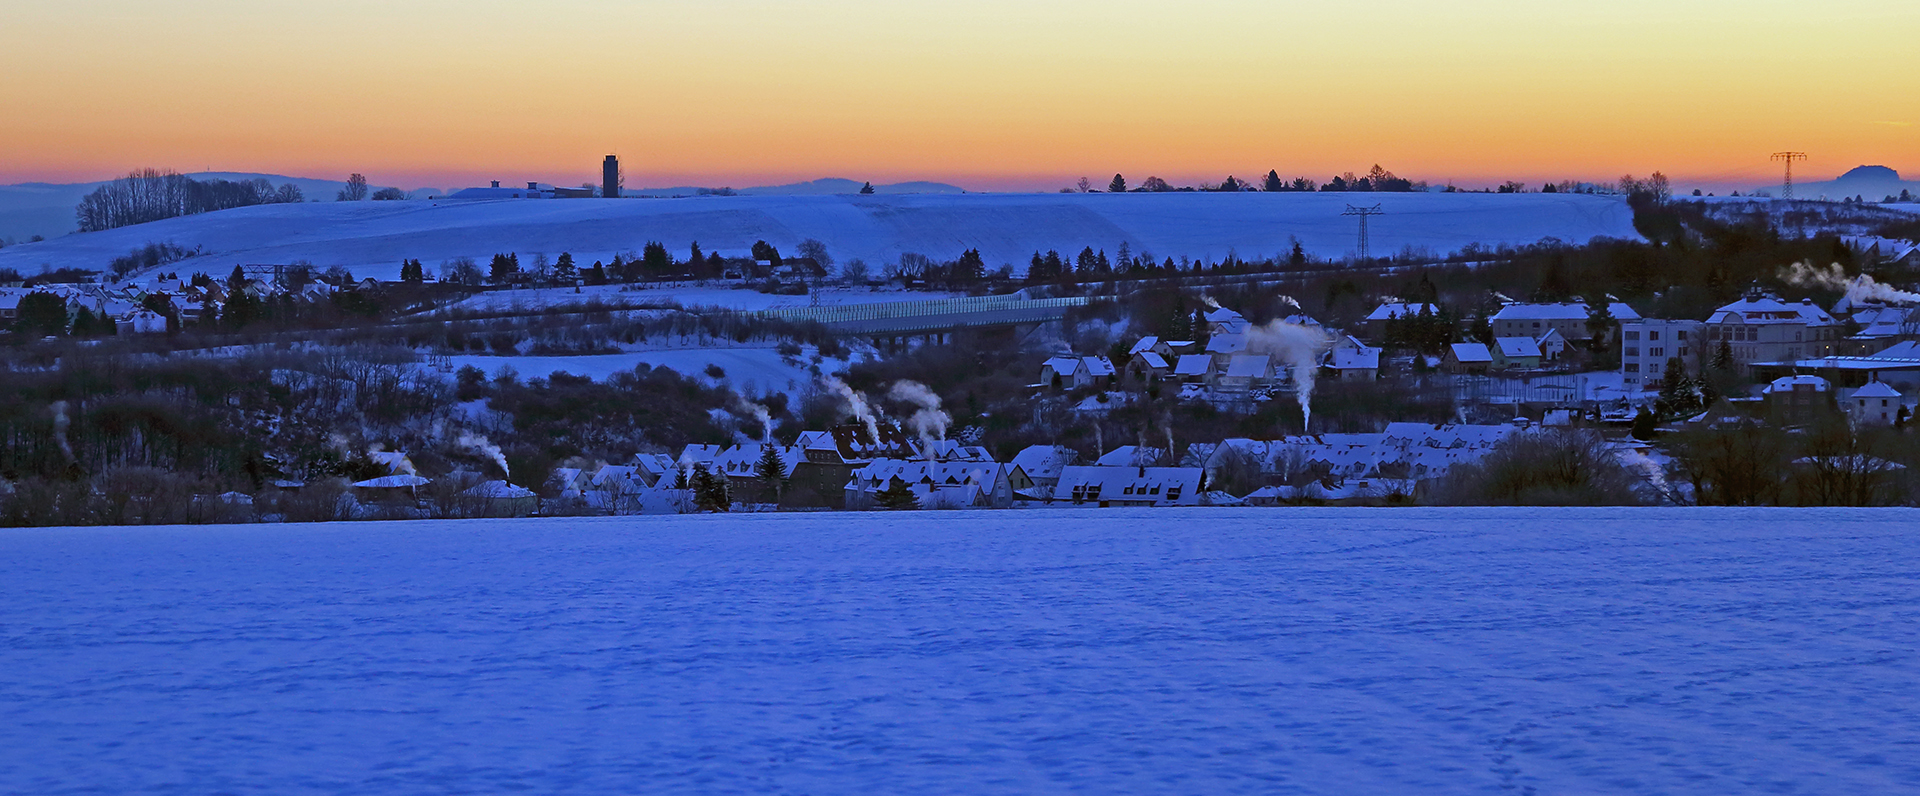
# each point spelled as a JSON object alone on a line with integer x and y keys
{"x": 372, "y": 238}
{"x": 1120, "y": 651}
{"x": 688, "y": 295}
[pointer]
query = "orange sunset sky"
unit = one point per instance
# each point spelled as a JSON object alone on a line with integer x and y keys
{"x": 992, "y": 95}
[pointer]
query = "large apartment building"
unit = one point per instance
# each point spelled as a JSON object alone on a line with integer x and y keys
{"x": 1647, "y": 343}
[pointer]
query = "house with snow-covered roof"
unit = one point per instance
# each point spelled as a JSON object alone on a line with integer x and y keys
{"x": 1036, "y": 469}
{"x": 1515, "y": 353}
{"x": 1349, "y": 364}
{"x": 1876, "y": 404}
{"x": 1225, "y": 321}
{"x": 1096, "y": 485}
{"x": 1569, "y": 318}
{"x": 1194, "y": 369}
{"x": 1797, "y": 400}
{"x": 937, "y": 484}
{"x": 1374, "y": 326}
{"x": 1761, "y": 328}
{"x": 1468, "y": 358}
{"x": 1069, "y": 372}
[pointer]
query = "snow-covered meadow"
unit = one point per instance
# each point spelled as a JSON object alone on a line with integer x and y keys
{"x": 1157, "y": 651}
{"x": 372, "y": 238}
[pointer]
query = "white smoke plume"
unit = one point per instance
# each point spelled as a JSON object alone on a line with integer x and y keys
{"x": 1208, "y": 300}
{"x": 60, "y": 424}
{"x": 857, "y": 405}
{"x": 929, "y": 422}
{"x": 484, "y": 447}
{"x": 1298, "y": 346}
{"x": 398, "y": 462}
{"x": 1859, "y": 289}
{"x": 759, "y": 413}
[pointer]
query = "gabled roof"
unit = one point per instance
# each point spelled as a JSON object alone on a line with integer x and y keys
{"x": 1222, "y": 314}
{"x": 1227, "y": 344}
{"x": 1788, "y": 383}
{"x": 1876, "y": 389}
{"x": 1098, "y": 366}
{"x": 1562, "y": 311}
{"x": 1471, "y": 352}
{"x": 1765, "y": 310}
{"x": 1349, "y": 359}
{"x": 1145, "y": 344}
{"x": 1062, "y": 365}
{"x": 1153, "y": 360}
{"x": 1044, "y": 461}
{"x": 1193, "y": 365}
{"x": 1130, "y": 456}
{"x": 1249, "y": 366}
{"x": 1517, "y": 347}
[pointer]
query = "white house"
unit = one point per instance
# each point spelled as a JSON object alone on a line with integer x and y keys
{"x": 1764, "y": 329}
{"x": 1874, "y": 404}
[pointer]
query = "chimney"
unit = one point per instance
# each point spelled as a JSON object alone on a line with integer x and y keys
{"x": 610, "y": 177}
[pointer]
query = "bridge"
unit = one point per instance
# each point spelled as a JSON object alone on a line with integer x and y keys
{"x": 932, "y": 315}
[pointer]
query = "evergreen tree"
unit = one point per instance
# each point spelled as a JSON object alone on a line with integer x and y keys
{"x": 564, "y": 271}
{"x": 1084, "y": 264}
{"x": 503, "y": 269}
{"x": 897, "y": 496}
{"x": 709, "y": 490}
{"x": 1119, "y": 185}
{"x": 1123, "y": 258}
{"x": 1600, "y": 325}
{"x": 866, "y": 188}
{"x": 597, "y": 275}
{"x": 83, "y": 324}
{"x": 658, "y": 264}
{"x": 696, "y": 257}
{"x": 1274, "y": 183}
{"x": 771, "y": 472}
{"x": 1297, "y": 257}
{"x": 1202, "y": 333}
{"x": 970, "y": 267}
{"x": 1723, "y": 357}
{"x": 412, "y": 272}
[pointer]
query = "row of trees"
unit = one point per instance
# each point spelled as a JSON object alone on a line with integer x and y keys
{"x": 152, "y": 195}
{"x": 1376, "y": 179}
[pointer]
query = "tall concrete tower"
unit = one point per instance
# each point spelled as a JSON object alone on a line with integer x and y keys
{"x": 610, "y": 178}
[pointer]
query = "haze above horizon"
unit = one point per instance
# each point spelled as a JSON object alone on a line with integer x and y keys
{"x": 991, "y": 95}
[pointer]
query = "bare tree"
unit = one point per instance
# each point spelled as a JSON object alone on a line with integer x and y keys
{"x": 356, "y": 189}
{"x": 1084, "y": 185}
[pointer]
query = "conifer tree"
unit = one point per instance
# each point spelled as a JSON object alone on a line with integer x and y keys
{"x": 1274, "y": 183}
{"x": 897, "y": 496}
{"x": 1119, "y": 185}
{"x": 772, "y": 473}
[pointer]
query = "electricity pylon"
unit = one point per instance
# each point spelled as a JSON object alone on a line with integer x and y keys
{"x": 1786, "y": 188}
{"x": 1363, "y": 213}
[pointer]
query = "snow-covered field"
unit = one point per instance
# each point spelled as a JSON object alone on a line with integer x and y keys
{"x": 1160, "y": 651}
{"x": 691, "y": 294}
{"x": 372, "y": 238}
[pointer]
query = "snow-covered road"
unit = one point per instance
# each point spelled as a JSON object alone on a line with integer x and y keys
{"x": 1162, "y": 651}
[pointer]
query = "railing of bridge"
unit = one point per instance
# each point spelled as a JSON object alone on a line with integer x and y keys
{"x": 905, "y": 310}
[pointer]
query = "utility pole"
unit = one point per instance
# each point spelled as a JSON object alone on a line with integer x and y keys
{"x": 1364, "y": 213}
{"x": 1786, "y": 188}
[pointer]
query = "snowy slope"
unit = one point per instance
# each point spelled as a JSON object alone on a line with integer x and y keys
{"x": 1206, "y": 651}
{"x": 373, "y": 238}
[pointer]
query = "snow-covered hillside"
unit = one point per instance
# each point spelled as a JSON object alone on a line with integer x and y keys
{"x": 372, "y": 238}
{"x": 1157, "y": 651}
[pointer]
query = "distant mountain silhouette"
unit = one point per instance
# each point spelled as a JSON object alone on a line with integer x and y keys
{"x": 1872, "y": 183}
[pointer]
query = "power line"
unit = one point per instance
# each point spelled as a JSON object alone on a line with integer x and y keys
{"x": 1363, "y": 213}
{"x": 1786, "y": 188}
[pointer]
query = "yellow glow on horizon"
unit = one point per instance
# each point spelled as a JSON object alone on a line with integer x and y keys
{"x": 991, "y": 94}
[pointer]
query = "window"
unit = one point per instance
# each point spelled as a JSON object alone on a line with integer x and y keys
{"x": 1633, "y": 351}
{"x": 1796, "y": 336}
{"x": 1680, "y": 335}
{"x": 1683, "y": 349}
{"x": 1633, "y": 335}
{"x": 1653, "y": 335}
{"x": 1633, "y": 367}
{"x": 1655, "y": 352}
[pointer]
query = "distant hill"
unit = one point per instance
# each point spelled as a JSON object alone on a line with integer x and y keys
{"x": 1872, "y": 183}
{"x": 372, "y": 238}
{"x": 46, "y": 209}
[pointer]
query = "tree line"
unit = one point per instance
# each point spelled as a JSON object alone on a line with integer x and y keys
{"x": 153, "y": 195}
